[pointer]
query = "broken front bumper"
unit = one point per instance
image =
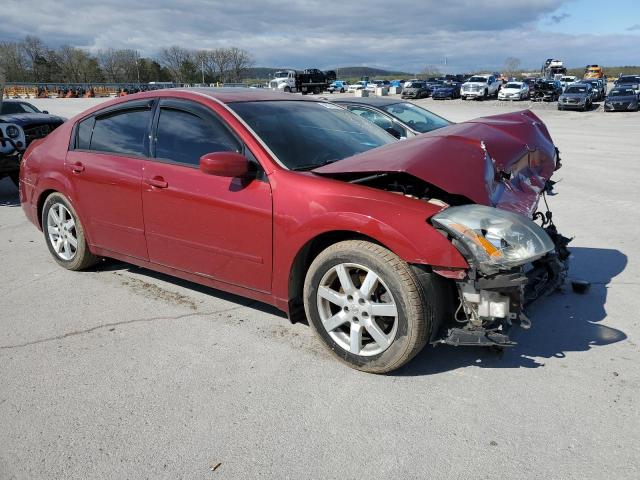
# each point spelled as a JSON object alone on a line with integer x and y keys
{"x": 489, "y": 306}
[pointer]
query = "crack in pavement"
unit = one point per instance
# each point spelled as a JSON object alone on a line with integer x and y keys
{"x": 124, "y": 322}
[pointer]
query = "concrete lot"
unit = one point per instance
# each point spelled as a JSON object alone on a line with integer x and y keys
{"x": 120, "y": 372}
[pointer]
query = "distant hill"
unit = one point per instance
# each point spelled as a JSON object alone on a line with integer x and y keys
{"x": 343, "y": 72}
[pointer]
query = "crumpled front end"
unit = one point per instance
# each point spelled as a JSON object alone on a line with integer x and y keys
{"x": 511, "y": 265}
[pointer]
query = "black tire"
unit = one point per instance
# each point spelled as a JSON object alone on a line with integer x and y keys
{"x": 559, "y": 107}
{"x": 82, "y": 258}
{"x": 287, "y": 89}
{"x": 486, "y": 94}
{"x": 317, "y": 90}
{"x": 15, "y": 178}
{"x": 415, "y": 315}
{"x": 342, "y": 90}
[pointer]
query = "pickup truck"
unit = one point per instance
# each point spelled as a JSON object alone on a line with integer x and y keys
{"x": 480, "y": 86}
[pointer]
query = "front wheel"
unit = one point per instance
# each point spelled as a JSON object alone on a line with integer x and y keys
{"x": 64, "y": 234}
{"x": 287, "y": 89}
{"x": 342, "y": 90}
{"x": 367, "y": 306}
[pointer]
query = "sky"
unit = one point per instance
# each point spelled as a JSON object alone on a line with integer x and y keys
{"x": 452, "y": 35}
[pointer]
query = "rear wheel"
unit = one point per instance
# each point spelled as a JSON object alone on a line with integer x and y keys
{"x": 367, "y": 306}
{"x": 64, "y": 234}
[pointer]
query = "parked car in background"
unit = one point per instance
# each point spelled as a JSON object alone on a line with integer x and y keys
{"x": 411, "y": 80}
{"x": 338, "y": 86}
{"x": 480, "y": 87}
{"x": 373, "y": 84}
{"x": 360, "y": 85}
{"x": 598, "y": 86}
{"x": 514, "y": 91}
{"x": 383, "y": 246}
{"x": 12, "y": 145}
{"x": 400, "y": 119}
{"x": 621, "y": 99}
{"x": 447, "y": 90}
{"x": 567, "y": 79}
{"x": 577, "y": 96}
{"x": 417, "y": 89}
{"x": 631, "y": 81}
{"x": 546, "y": 90}
{"x": 36, "y": 124}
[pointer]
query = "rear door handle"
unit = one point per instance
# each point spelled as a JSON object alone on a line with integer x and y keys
{"x": 76, "y": 167}
{"x": 157, "y": 182}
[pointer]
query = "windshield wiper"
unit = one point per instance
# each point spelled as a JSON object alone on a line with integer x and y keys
{"x": 311, "y": 166}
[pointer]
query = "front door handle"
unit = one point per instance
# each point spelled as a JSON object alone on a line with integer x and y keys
{"x": 76, "y": 167}
{"x": 157, "y": 182}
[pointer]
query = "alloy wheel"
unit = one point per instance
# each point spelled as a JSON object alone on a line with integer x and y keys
{"x": 61, "y": 229}
{"x": 357, "y": 309}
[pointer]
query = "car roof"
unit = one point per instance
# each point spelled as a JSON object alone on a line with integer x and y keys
{"x": 373, "y": 101}
{"x": 239, "y": 94}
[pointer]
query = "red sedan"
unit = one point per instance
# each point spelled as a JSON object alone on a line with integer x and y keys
{"x": 384, "y": 245}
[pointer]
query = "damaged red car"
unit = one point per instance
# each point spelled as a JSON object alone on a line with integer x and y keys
{"x": 383, "y": 246}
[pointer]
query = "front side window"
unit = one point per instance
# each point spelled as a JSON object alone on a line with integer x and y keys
{"x": 121, "y": 132}
{"x": 304, "y": 135}
{"x": 183, "y": 136}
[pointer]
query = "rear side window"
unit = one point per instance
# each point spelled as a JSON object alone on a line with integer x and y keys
{"x": 85, "y": 129}
{"x": 183, "y": 136}
{"x": 121, "y": 132}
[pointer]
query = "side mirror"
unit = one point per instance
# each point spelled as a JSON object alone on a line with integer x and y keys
{"x": 225, "y": 164}
{"x": 45, "y": 111}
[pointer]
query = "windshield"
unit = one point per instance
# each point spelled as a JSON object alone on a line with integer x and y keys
{"x": 568, "y": 79}
{"x": 478, "y": 79}
{"x": 17, "y": 107}
{"x": 417, "y": 118}
{"x": 304, "y": 135}
{"x": 576, "y": 89}
{"x": 622, "y": 92}
{"x": 416, "y": 85}
{"x": 629, "y": 79}
{"x": 517, "y": 86}
{"x": 280, "y": 74}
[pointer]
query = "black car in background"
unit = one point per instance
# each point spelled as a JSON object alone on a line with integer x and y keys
{"x": 447, "y": 90}
{"x": 631, "y": 81}
{"x": 415, "y": 90}
{"x": 621, "y": 99}
{"x": 546, "y": 90}
{"x": 36, "y": 124}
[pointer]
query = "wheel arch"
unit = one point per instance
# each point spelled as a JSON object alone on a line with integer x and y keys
{"x": 303, "y": 259}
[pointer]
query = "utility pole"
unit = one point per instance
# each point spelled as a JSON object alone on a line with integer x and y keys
{"x": 202, "y": 65}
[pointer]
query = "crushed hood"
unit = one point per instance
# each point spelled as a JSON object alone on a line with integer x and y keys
{"x": 502, "y": 160}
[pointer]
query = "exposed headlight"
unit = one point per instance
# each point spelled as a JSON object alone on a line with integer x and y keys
{"x": 13, "y": 131}
{"x": 494, "y": 239}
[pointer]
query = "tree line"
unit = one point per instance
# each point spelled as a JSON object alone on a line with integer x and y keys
{"x": 32, "y": 61}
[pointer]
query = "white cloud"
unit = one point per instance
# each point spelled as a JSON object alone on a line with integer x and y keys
{"x": 323, "y": 33}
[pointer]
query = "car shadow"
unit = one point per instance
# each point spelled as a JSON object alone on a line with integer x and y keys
{"x": 111, "y": 265}
{"x": 562, "y": 322}
{"x": 8, "y": 193}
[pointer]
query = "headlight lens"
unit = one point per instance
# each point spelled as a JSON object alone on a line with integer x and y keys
{"x": 495, "y": 239}
{"x": 12, "y": 131}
